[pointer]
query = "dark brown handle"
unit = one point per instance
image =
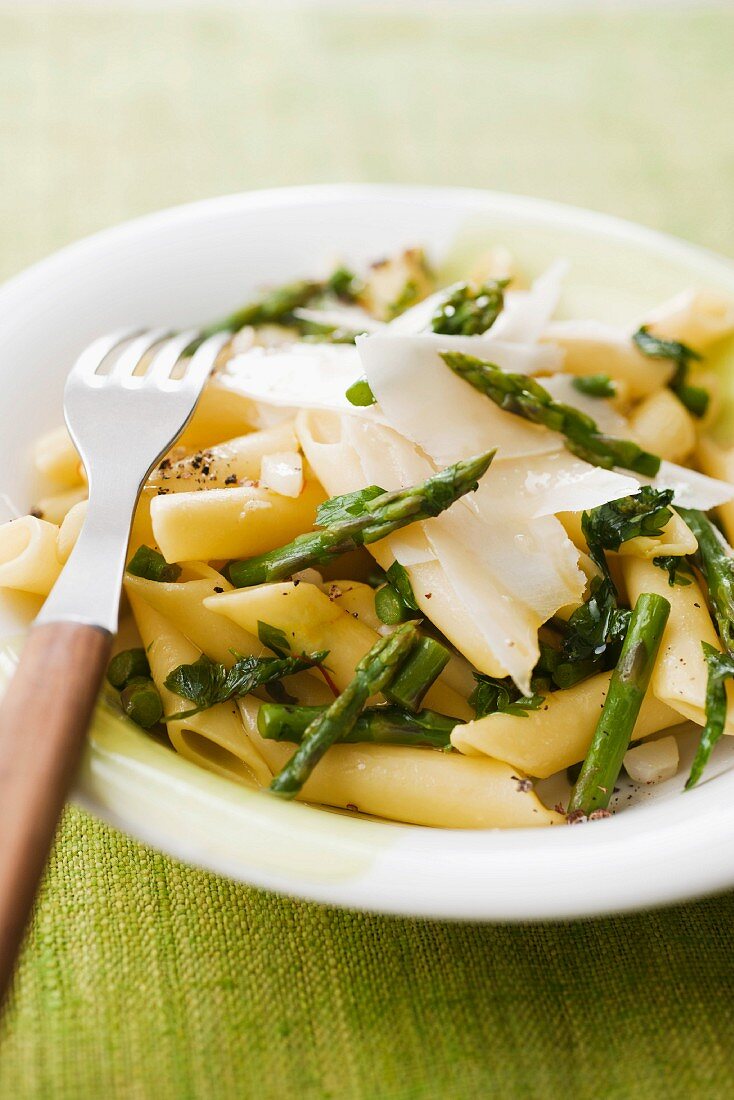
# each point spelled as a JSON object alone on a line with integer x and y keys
{"x": 44, "y": 716}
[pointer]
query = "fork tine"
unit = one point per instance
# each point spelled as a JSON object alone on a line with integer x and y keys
{"x": 166, "y": 358}
{"x": 203, "y": 359}
{"x": 93, "y": 356}
{"x": 131, "y": 357}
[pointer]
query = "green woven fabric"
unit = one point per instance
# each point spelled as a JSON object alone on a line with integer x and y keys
{"x": 143, "y": 978}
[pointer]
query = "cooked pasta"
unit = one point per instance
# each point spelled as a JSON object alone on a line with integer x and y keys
{"x": 421, "y": 547}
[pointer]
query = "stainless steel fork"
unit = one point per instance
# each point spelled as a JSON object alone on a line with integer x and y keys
{"x": 122, "y": 422}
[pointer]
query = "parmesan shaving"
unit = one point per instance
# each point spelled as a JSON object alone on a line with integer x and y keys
{"x": 283, "y": 473}
{"x": 528, "y": 312}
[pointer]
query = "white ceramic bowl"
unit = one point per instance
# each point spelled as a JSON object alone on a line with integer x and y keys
{"x": 196, "y": 262}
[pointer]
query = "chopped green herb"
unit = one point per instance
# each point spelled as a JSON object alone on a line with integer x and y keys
{"x": 678, "y": 569}
{"x": 274, "y": 307}
{"x": 152, "y": 566}
{"x": 344, "y": 284}
{"x": 695, "y": 398}
{"x": 274, "y": 638}
{"x": 720, "y": 669}
{"x": 470, "y": 311}
{"x": 523, "y": 396}
{"x": 595, "y": 385}
{"x": 207, "y": 682}
{"x": 495, "y": 695}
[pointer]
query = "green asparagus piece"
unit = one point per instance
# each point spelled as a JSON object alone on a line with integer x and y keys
{"x": 141, "y": 702}
{"x": 373, "y": 674}
{"x": 395, "y": 601}
{"x": 368, "y": 519}
{"x": 383, "y": 725}
{"x": 470, "y": 311}
{"x": 595, "y": 784}
{"x": 594, "y": 385}
{"x": 272, "y": 308}
{"x": 152, "y": 566}
{"x": 427, "y": 660}
{"x": 695, "y": 398}
{"x": 720, "y": 669}
{"x": 360, "y": 393}
{"x": 517, "y": 393}
{"x": 126, "y": 666}
{"x": 714, "y": 559}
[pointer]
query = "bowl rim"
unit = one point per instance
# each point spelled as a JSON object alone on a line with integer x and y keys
{"x": 437, "y": 872}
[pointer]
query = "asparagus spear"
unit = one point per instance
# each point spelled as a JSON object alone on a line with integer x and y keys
{"x": 714, "y": 559}
{"x": 469, "y": 311}
{"x": 365, "y": 520}
{"x": 384, "y": 725}
{"x": 395, "y": 600}
{"x": 151, "y": 565}
{"x": 373, "y": 673}
{"x": 127, "y": 665}
{"x": 516, "y": 393}
{"x": 595, "y": 784}
{"x": 141, "y": 702}
{"x": 426, "y": 662}
{"x": 720, "y": 669}
{"x": 274, "y": 307}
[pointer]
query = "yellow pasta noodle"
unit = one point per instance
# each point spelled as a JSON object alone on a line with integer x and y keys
{"x": 312, "y": 622}
{"x": 698, "y": 318}
{"x": 239, "y": 459}
{"x": 56, "y": 508}
{"x": 680, "y": 673}
{"x": 662, "y": 425}
{"x": 718, "y": 461}
{"x": 212, "y": 736}
{"x": 594, "y": 349}
{"x": 221, "y": 414}
{"x": 57, "y": 460}
{"x": 559, "y": 733}
{"x": 28, "y": 558}
{"x": 230, "y": 523}
{"x": 420, "y": 786}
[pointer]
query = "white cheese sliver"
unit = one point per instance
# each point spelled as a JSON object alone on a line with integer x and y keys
{"x": 301, "y": 376}
{"x": 543, "y": 485}
{"x": 429, "y": 405}
{"x": 692, "y": 490}
{"x": 528, "y": 312}
{"x": 282, "y": 472}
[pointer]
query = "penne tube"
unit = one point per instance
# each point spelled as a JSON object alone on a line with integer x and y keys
{"x": 228, "y": 463}
{"x": 559, "y": 733}
{"x": 662, "y": 425}
{"x": 212, "y": 737}
{"x": 56, "y": 508}
{"x": 311, "y": 621}
{"x": 221, "y": 414}
{"x": 230, "y": 523}
{"x": 593, "y": 348}
{"x": 676, "y": 541}
{"x": 357, "y": 599}
{"x": 419, "y": 786}
{"x": 28, "y": 558}
{"x": 680, "y": 674}
{"x": 698, "y": 318}
{"x": 56, "y": 459}
{"x": 718, "y": 461}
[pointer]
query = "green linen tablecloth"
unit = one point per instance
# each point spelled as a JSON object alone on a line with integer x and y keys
{"x": 143, "y": 978}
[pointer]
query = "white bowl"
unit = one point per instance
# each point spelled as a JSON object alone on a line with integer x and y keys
{"x": 196, "y": 262}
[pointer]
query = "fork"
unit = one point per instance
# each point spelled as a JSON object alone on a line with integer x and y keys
{"x": 122, "y": 423}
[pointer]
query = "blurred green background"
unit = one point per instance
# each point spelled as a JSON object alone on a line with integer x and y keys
{"x": 146, "y": 979}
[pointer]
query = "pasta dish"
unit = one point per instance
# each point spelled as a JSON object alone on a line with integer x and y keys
{"x": 422, "y": 548}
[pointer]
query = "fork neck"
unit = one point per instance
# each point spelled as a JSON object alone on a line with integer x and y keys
{"x": 88, "y": 590}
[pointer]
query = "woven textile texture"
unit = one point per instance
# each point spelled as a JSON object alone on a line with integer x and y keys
{"x": 145, "y": 979}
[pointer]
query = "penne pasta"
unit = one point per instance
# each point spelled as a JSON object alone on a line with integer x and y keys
{"x": 662, "y": 425}
{"x": 420, "y": 786}
{"x": 718, "y": 461}
{"x": 592, "y": 348}
{"x": 56, "y": 508}
{"x": 28, "y": 558}
{"x": 559, "y": 733}
{"x": 214, "y": 736}
{"x": 228, "y": 463}
{"x": 698, "y": 318}
{"x": 230, "y": 523}
{"x": 680, "y": 674}
{"x": 57, "y": 460}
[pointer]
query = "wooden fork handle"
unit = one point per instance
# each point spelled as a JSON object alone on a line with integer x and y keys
{"x": 44, "y": 716}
